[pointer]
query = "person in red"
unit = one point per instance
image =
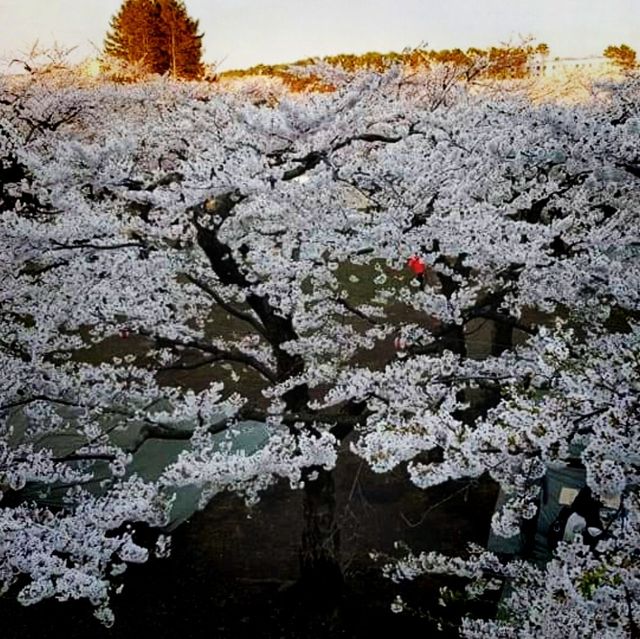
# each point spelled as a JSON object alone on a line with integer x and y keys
{"x": 418, "y": 267}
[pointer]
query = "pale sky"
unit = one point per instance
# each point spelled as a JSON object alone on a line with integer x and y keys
{"x": 240, "y": 33}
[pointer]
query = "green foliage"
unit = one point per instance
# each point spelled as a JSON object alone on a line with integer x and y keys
{"x": 159, "y": 35}
{"x": 593, "y": 579}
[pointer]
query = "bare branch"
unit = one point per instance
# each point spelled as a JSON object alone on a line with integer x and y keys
{"x": 232, "y": 310}
{"x": 217, "y": 353}
{"x": 58, "y": 246}
{"x": 356, "y": 311}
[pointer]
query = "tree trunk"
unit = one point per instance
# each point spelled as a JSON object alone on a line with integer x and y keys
{"x": 174, "y": 63}
{"x": 502, "y": 338}
{"x": 455, "y": 340}
{"x": 320, "y": 572}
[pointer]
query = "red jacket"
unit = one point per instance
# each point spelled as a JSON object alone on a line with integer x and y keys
{"x": 417, "y": 265}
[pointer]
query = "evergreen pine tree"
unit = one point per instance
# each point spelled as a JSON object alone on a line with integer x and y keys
{"x": 159, "y": 35}
{"x": 133, "y": 35}
{"x": 181, "y": 42}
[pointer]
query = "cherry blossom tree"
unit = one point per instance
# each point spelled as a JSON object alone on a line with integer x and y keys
{"x": 147, "y": 214}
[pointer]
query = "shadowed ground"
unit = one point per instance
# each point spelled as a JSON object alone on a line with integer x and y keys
{"x": 232, "y": 571}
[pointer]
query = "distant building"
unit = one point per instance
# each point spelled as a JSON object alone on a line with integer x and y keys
{"x": 540, "y": 65}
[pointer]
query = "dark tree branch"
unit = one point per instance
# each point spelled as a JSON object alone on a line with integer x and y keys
{"x": 60, "y": 401}
{"x": 308, "y": 162}
{"x": 367, "y": 137}
{"x": 82, "y": 244}
{"x": 190, "y": 367}
{"x": 342, "y": 423}
{"x": 277, "y": 329}
{"x": 34, "y": 270}
{"x": 167, "y": 433}
{"x": 353, "y": 309}
{"x": 633, "y": 169}
{"x": 232, "y": 310}
{"x": 217, "y": 353}
{"x": 488, "y": 312}
{"x": 312, "y": 159}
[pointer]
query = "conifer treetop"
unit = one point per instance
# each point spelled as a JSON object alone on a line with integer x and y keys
{"x": 157, "y": 34}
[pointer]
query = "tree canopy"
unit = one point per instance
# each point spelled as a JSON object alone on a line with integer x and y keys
{"x": 623, "y": 56}
{"x": 498, "y": 62}
{"x": 193, "y": 230}
{"x": 157, "y": 34}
